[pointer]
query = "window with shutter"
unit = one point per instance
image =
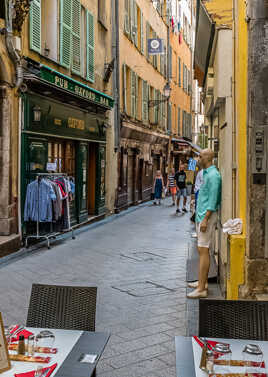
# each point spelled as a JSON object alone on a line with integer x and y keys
{"x": 145, "y": 101}
{"x": 147, "y": 37}
{"x": 154, "y": 56}
{"x": 35, "y": 26}
{"x": 169, "y": 117}
{"x": 132, "y": 21}
{"x": 133, "y": 94}
{"x": 165, "y": 62}
{"x": 76, "y": 31}
{"x": 136, "y": 95}
{"x": 126, "y": 21}
{"x": 179, "y": 121}
{"x": 135, "y": 29}
{"x": 125, "y": 87}
{"x": 141, "y": 34}
{"x": 179, "y": 82}
{"x": 66, "y": 33}
{"x": 90, "y": 47}
{"x": 170, "y": 62}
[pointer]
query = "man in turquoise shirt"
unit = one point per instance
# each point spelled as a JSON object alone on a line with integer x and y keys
{"x": 208, "y": 203}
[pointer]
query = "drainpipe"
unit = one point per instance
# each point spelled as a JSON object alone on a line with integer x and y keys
{"x": 14, "y": 56}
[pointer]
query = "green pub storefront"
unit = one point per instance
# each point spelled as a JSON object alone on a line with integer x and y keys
{"x": 64, "y": 131}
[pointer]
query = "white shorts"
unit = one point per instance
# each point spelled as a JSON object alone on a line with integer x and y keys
{"x": 204, "y": 239}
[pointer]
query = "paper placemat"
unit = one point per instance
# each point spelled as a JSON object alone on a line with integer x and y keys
{"x": 197, "y": 351}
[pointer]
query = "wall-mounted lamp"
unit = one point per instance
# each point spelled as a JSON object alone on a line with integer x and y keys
{"x": 166, "y": 92}
{"x": 37, "y": 113}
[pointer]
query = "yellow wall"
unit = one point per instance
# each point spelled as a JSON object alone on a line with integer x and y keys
{"x": 238, "y": 243}
{"x": 220, "y": 11}
{"x": 178, "y": 96}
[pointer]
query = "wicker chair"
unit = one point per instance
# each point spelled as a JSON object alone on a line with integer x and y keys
{"x": 233, "y": 319}
{"x": 62, "y": 307}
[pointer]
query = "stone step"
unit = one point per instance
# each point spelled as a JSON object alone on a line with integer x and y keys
{"x": 9, "y": 244}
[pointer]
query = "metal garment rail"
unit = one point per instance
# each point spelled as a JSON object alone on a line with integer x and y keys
{"x": 52, "y": 234}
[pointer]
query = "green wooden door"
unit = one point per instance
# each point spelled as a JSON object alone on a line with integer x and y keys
{"x": 82, "y": 181}
{"x": 100, "y": 180}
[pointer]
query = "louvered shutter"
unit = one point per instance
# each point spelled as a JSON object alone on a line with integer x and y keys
{"x": 136, "y": 95}
{"x": 155, "y": 56}
{"x": 131, "y": 12}
{"x": 179, "y": 121}
{"x": 179, "y": 72}
{"x": 90, "y": 47}
{"x": 125, "y": 87}
{"x": 76, "y": 31}
{"x": 126, "y": 22}
{"x": 147, "y": 37}
{"x": 133, "y": 94}
{"x": 142, "y": 34}
{"x": 66, "y": 33}
{"x": 35, "y": 26}
{"x": 145, "y": 101}
{"x": 169, "y": 117}
{"x": 135, "y": 31}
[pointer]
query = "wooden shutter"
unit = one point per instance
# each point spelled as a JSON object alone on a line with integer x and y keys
{"x": 135, "y": 20}
{"x": 35, "y": 26}
{"x": 169, "y": 117}
{"x": 90, "y": 47}
{"x": 131, "y": 12}
{"x": 179, "y": 82}
{"x": 125, "y": 87}
{"x": 179, "y": 121}
{"x": 126, "y": 21}
{"x": 145, "y": 101}
{"x": 66, "y": 33}
{"x": 76, "y": 31}
{"x": 133, "y": 94}
{"x": 136, "y": 95}
{"x": 141, "y": 33}
{"x": 154, "y": 56}
{"x": 170, "y": 62}
{"x": 147, "y": 37}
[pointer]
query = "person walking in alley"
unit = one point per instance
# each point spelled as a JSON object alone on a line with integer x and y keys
{"x": 209, "y": 199}
{"x": 158, "y": 187}
{"x": 180, "y": 178}
{"x": 171, "y": 184}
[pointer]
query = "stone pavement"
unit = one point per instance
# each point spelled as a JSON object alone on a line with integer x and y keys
{"x": 137, "y": 260}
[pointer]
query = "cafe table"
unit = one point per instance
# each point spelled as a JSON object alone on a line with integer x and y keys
{"x": 71, "y": 345}
{"x": 188, "y": 354}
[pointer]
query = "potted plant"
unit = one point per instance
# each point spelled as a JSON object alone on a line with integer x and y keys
{"x": 189, "y": 186}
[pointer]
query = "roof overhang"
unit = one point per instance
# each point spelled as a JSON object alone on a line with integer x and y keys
{"x": 205, "y": 31}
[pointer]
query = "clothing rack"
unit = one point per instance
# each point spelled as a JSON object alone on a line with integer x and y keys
{"x": 51, "y": 235}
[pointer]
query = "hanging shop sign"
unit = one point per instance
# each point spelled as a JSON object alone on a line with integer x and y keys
{"x": 155, "y": 46}
{"x": 75, "y": 87}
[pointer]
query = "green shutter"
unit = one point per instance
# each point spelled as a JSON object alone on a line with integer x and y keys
{"x": 133, "y": 94}
{"x": 144, "y": 101}
{"x": 179, "y": 82}
{"x": 35, "y": 26}
{"x": 142, "y": 34}
{"x": 179, "y": 120}
{"x": 147, "y": 37}
{"x": 76, "y": 31}
{"x": 126, "y": 22}
{"x": 136, "y": 95}
{"x": 125, "y": 87}
{"x": 131, "y": 12}
{"x": 65, "y": 32}
{"x": 135, "y": 36}
{"x": 90, "y": 47}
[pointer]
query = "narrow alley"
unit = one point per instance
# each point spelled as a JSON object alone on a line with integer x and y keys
{"x": 138, "y": 262}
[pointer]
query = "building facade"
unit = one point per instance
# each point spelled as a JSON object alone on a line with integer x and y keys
{"x": 225, "y": 62}
{"x": 143, "y": 132}
{"x": 63, "y": 104}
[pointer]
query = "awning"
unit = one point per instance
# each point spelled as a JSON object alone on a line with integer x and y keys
{"x": 195, "y": 148}
{"x": 205, "y": 30}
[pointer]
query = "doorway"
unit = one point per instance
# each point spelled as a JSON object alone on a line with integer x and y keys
{"x": 92, "y": 163}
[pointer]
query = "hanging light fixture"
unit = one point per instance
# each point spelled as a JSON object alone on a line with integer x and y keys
{"x": 37, "y": 113}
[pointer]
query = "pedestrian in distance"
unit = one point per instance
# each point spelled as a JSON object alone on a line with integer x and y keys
{"x": 208, "y": 203}
{"x": 158, "y": 187}
{"x": 180, "y": 178}
{"x": 171, "y": 185}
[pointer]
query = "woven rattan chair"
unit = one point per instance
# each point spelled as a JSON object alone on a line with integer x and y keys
{"x": 233, "y": 319}
{"x": 62, "y": 307}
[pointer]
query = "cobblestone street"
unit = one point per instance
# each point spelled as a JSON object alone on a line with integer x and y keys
{"x": 137, "y": 260}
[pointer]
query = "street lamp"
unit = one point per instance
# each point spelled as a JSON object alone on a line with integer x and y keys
{"x": 166, "y": 92}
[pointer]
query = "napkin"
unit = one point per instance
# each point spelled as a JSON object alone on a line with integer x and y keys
{"x": 32, "y": 372}
{"x": 23, "y": 332}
